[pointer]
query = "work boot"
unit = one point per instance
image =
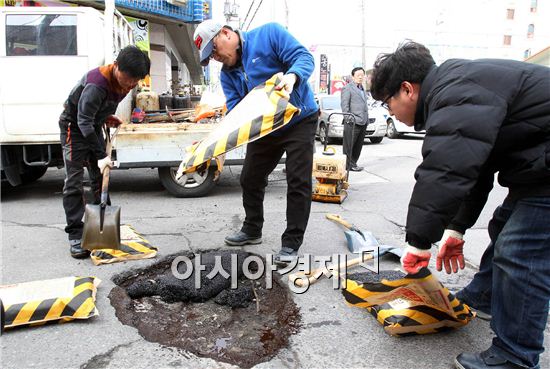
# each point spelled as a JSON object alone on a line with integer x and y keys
{"x": 484, "y": 360}
{"x": 240, "y": 239}
{"x": 77, "y": 251}
{"x": 286, "y": 256}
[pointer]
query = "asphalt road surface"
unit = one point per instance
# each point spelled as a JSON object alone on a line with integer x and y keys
{"x": 333, "y": 335}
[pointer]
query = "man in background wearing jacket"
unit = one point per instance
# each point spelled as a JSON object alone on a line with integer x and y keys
{"x": 481, "y": 117}
{"x": 354, "y": 101}
{"x": 89, "y": 106}
{"x": 249, "y": 59}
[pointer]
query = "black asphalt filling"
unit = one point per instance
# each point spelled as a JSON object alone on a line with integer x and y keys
{"x": 372, "y": 277}
{"x": 243, "y": 326}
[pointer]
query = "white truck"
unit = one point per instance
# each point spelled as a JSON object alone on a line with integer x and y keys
{"x": 45, "y": 51}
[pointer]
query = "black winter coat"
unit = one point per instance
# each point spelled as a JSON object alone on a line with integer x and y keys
{"x": 481, "y": 117}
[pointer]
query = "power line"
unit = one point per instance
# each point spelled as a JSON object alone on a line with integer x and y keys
{"x": 249, "y": 23}
{"x": 248, "y": 12}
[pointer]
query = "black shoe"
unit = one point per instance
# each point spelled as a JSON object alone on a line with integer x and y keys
{"x": 356, "y": 169}
{"x": 77, "y": 251}
{"x": 285, "y": 256}
{"x": 484, "y": 360}
{"x": 240, "y": 239}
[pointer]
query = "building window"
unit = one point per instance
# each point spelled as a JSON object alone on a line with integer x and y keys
{"x": 509, "y": 13}
{"x": 533, "y": 6}
{"x": 507, "y": 40}
{"x": 526, "y": 53}
{"x": 530, "y": 30}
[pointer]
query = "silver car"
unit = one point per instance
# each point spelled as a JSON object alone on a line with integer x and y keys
{"x": 329, "y": 104}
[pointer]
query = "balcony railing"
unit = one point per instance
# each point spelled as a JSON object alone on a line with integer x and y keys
{"x": 190, "y": 11}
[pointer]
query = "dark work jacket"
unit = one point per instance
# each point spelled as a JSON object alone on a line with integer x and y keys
{"x": 95, "y": 97}
{"x": 481, "y": 117}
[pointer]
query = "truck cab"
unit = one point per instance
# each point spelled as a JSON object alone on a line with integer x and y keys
{"x": 46, "y": 50}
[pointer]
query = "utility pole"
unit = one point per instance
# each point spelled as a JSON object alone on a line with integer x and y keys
{"x": 231, "y": 13}
{"x": 286, "y": 14}
{"x": 363, "y": 43}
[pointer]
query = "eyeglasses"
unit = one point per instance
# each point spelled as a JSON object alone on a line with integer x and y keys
{"x": 213, "y": 54}
{"x": 385, "y": 103}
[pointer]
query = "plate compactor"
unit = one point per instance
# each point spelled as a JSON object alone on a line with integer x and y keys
{"x": 329, "y": 169}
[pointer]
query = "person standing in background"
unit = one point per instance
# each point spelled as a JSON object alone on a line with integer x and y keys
{"x": 354, "y": 101}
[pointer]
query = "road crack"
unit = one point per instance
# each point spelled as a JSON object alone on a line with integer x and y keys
{"x": 103, "y": 360}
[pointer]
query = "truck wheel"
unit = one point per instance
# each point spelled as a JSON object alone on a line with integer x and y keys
{"x": 192, "y": 185}
{"x": 31, "y": 174}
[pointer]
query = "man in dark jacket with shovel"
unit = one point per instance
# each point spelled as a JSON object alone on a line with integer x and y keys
{"x": 481, "y": 117}
{"x": 91, "y": 104}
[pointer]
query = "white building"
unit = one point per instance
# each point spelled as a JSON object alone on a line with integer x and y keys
{"x": 470, "y": 29}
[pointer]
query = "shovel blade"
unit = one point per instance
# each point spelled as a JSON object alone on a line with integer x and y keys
{"x": 101, "y": 228}
{"x": 358, "y": 241}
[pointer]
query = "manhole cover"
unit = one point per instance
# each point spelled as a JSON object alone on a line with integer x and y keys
{"x": 252, "y": 331}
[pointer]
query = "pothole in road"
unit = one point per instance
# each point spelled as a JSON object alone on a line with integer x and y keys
{"x": 243, "y": 326}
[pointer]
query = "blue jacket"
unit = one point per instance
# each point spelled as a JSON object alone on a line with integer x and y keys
{"x": 268, "y": 50}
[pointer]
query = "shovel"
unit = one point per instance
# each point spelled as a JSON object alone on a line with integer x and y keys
{"x": 102, "y": 222}
{"x": 359, "y": 241}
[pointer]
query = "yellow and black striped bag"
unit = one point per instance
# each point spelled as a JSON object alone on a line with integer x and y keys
{"x": 39, "y": 302}
{"x": 415, "y": 304}
{"x": 132, "y": 247}
{"x": 261, "y": 112}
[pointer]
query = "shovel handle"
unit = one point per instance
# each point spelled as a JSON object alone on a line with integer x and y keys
{"x": 107, "y": 170}
{"x": 295, "y": 277}
{"x": 338, "y": 219}
{"x": 105, "y": 186}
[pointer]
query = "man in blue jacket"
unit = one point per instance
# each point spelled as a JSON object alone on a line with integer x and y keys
{"x": 249, "y": 59}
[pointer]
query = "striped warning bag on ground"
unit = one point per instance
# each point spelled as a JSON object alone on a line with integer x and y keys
{"x": 415, "y": 304}
{"x": 261, "y": 112}
{"x": 39, "y": 302}
{"x": 132, "y": 247}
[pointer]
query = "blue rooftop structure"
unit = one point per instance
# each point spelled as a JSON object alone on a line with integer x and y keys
{"x": 193, "y": 11}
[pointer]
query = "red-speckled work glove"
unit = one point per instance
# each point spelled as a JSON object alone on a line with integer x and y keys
{"x": 450, "y": 252}
{"x": 414, "y": 259}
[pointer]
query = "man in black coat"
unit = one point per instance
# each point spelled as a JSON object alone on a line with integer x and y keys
{"x": 481, "y": 117}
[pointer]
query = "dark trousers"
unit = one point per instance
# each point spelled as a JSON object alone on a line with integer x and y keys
{"x": 513, "y": 282}
{"x": 354, "y": 137}
{"x": 262, "y": 156}
{"x": 77, "y": 155}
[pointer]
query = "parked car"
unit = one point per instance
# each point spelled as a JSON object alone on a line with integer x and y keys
{"x": 329, "y": 104}
{"x": 395, "y": 128}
